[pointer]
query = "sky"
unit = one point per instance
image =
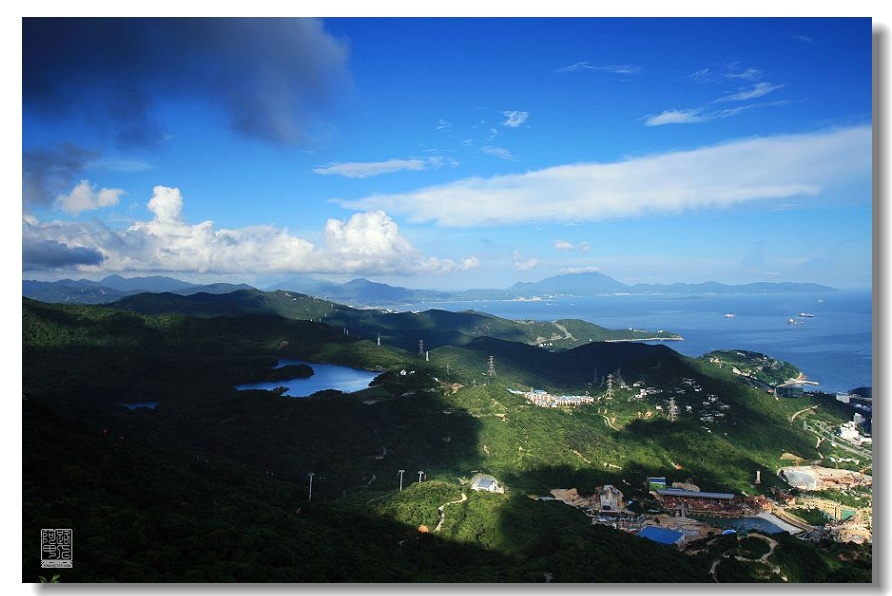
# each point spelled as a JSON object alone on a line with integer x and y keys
{"x": 448, "y": 153}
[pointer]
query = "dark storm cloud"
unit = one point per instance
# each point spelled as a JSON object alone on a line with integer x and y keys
{"x": 49, "y": 254}
{"x": 47, "y": 172}
{"x": 271, "y": 77}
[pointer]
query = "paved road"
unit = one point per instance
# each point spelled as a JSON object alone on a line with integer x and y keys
{"x": 772, "y": 543}
{"x": 441, "y": 510}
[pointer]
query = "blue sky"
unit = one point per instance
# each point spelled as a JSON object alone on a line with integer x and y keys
{"x": 448, "y": 153}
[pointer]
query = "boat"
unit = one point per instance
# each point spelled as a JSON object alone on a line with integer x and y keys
{"x": 730, "y": 315}
{"x": 794, "y": 322}
{"x": 806, "y": 315}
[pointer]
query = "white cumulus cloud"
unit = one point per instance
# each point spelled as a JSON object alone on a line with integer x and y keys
{"x": 366, "y": 243}
{"x": 522, "y": 264}
{"x": 86, "y": 197}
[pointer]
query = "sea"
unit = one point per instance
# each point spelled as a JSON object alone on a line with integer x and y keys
{"x": 832, "y": 347}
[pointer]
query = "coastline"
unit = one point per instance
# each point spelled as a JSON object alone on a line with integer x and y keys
{"x": 614, "y": 341}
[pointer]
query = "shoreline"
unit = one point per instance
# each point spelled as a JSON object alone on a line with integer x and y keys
{"x": 613, "y": 341}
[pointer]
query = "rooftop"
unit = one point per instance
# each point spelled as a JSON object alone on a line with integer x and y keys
{"x": 661, "y": 535}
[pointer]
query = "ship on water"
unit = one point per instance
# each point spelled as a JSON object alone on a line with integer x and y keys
{"x": 806, "y": 315}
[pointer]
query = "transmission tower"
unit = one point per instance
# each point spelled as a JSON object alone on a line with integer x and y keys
{"x": 492, "y": 367}
{"x": 609, "y": 387}
{"x": 673, "y": 409}
{"x": 421, "y": 346}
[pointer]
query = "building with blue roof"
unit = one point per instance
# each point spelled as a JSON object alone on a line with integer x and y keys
{"x": 485, "y": 482}
{"x": 663, "y": 536}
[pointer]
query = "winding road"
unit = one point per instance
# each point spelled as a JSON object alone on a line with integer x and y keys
{"x": 772, "y": 543}
{"x": 442, "y": 513}
{"x": 793, "y": 417}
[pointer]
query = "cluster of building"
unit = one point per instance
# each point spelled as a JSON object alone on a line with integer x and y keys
{"x": 685, "y": 498}
{"x": 851, "y": 431}
{"x": 644, "y": 391}
{"x": 543, "y": 399}
{"x": 704, "y": 503}
{"x": 607, "y": 506}
{"x": 815, "y": 478}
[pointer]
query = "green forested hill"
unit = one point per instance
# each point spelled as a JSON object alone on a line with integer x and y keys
{"x": 405, "y": 329}
{"x": 212, "y": 484}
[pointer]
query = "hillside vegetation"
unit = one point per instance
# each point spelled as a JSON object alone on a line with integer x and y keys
{"x": 213, "y": 483}
{"x": 403, "y": 329}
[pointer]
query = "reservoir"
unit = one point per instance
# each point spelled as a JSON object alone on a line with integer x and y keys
{"x": 140, "y": 404}
{"x": 325, "y": 376}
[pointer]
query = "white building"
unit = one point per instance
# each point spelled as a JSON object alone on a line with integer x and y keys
{"x": 849, "y": 432}
{"x": 487, "y": 483}
{"x": 611, "y": 498}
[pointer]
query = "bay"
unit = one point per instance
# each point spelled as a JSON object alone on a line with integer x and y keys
{"x": 832, "y": 348}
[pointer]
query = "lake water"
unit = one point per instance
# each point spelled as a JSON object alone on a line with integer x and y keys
{"x": 832, "y": 348}
{"x": 140, "y": 404}
{"x": 325, "y": 376}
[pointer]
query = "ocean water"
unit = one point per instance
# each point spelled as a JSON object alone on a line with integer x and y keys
{"x": 833, "y": 348}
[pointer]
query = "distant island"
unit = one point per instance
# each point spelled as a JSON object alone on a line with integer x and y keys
{"x": 362, "y": 292}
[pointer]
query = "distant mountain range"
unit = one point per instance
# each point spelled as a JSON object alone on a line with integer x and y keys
{"x": 115, "y": 287}
{"x": 362, "y": 292}
{"x": 594, "y": 283}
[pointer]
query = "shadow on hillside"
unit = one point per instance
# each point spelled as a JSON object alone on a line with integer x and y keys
{"x": 215, "y": 485}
